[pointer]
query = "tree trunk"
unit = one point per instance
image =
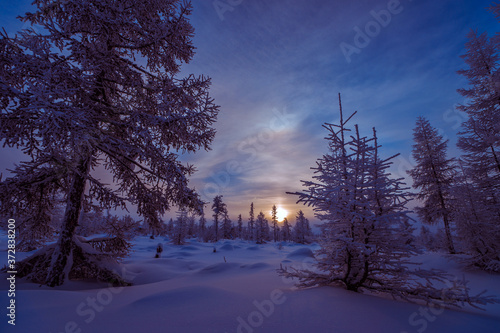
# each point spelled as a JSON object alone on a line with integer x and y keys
{"x": 61, "y": 265}
{"x": 496, "y": 158}
{"x": 451, "y": 247}
{"x": 216, "y": 223}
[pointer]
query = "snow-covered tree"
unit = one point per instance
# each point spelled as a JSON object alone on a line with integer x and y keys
{"x": 274, "y": 220}
{"x": 251, "y": 226}
{"x": 261, "y": 232}
{"x": 366, "y": 238}
{"x": 122, "y": 227}
{"x": 202, "y": 227}
{"x": 479, "y": 137}
{"x": 477, "y": 196}
{"x": 480, "y": 134}
{"x": 301, "y": 229}
{"x": 239, "y": 228}
{"x": 33, "y": 206}
{"x": 477, "y": 225}
{"x": 220, "y": 211}
{"x": 92, "y": 222}
{"x": 170, "y": 227}
{"x": 180, "y": 227}
{"x": 191, "y": 226}
{"x": 286, "y": 232}
{"x": 433, "y": 175}
{"x": 425, "y": 238}
{"x": 227, "y": 227}
{"x": 99, "y": 87}
{"x": 267, "y": 230}
{"x": 38, "y": 229}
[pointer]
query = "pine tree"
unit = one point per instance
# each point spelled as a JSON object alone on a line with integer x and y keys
{"x": 433, "y": 175}
{"x": 239, "y": 230}
{"x": 33, "y": 206}
{"x": 480, "y": 134}
{"x": 267, "y": 231}
{"x": 251, "y": 227}
{"x": 479, "y": 233}
{"x": 227, "y": 227}
{"x": 479, "y": 138}
{"x": 191, "y": 227}
{"x": 170, "y": 228}
{"x": 220, "y": 211}
{"x": 180, "y": 227}
{"x": 202, "y": 227}
{"x": 274, "y": 219}
{"x": 477, "y": 196}
{"x": 425, "y": 239}
{"x": 301, "y": 228}
{"x": 366, "y": 241}
{"x": 99, "y": 87}
{"x": 261, "y": 232}
{"x": 91, "y": 222}
{"x": 286, "y": 233}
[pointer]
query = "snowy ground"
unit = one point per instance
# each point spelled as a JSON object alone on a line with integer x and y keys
{"x": 236, "y": 289}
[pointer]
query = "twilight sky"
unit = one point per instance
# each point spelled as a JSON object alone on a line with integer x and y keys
{"x": 277, "y": 67}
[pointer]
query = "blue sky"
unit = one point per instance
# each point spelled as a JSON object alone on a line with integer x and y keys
{"x": 277, "y": 67}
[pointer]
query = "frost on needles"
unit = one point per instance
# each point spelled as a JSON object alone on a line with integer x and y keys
{"x": 98, "y": 86}
{"x": 366, "y": 239}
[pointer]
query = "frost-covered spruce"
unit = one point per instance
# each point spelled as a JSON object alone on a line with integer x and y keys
{"x": 261, "y": 232}
{"x": 301, "y": 229}
{"x": 274, "y": 220}
{"x": 366, "y": 241}
{"x": 202, "y": 228}
{"x": 251, "y": 223}
{"x": 477, "y": 226}
{"x": 239, "y": 227}
{"x": 180, "y": 230}
{"x": 477, "y": 196}
{"x": 479, "y": 137}
{"x": 286, "y": 231}
{"x": 433, "y": 176}
{"x": 227, "y": 228}
{"x": 99, "y": 87}
{"x": 220, "y": 211}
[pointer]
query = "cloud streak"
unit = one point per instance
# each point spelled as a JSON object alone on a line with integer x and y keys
{"x": 272, "y": 58}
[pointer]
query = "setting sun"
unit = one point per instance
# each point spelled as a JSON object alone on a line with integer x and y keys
{"x": 281, "y": 214}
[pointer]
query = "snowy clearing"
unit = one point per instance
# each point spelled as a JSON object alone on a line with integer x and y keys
{"x": 236, "y": 289}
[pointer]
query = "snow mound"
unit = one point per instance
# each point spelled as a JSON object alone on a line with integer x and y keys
{"x": 227, "y": 247}
{"x": 179, "y": 254}
{"x": 301, "y": 253}
{"x": 219, "y": 268}
{"x": 157, "y": 270}
{"x": 256, "y": 266}
{"x": 189, "y": 248}
{"x": 184, "y": 297}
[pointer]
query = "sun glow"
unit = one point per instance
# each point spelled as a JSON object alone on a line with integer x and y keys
{"x": 281, "y": 214}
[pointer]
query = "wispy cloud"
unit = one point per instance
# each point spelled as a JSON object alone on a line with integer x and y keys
{"x": 272, "y": 58}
